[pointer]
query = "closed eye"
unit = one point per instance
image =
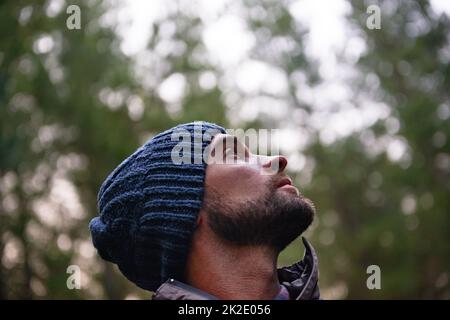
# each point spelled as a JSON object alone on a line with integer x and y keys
{"x": 232, "y": 147}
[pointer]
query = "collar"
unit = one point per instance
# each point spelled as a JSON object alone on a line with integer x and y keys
{"x": 176, "y": 290}
{"x": 302, "y": 278}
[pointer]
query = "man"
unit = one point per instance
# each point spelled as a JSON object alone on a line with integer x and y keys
{"x": 201, "y": 217}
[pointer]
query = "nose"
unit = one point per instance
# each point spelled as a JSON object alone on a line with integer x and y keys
{"x": 277, "y": 164}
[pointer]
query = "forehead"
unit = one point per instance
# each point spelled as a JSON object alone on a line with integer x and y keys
{"x": 221, "y": 141}
{"x": 222, "y": 138}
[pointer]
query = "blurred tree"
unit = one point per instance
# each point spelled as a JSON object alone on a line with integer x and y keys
{"x": 72, "y": 107}
{"x": 55, "y": 129}
{"x": 383, "y": 192}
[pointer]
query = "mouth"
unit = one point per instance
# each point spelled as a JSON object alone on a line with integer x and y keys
{"x": 284, "y": 182}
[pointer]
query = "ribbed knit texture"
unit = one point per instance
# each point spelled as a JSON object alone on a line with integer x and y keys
{"x": 148, "y": 208}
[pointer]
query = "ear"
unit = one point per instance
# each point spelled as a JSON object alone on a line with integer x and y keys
{"x": 200, "y": 218}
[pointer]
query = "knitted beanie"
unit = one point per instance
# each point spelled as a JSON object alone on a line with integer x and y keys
{"x": 148, "y": 206}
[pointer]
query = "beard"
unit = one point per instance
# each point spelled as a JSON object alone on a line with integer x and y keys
{"x": 274, "y": 220}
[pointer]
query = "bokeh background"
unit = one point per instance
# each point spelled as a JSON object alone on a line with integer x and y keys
{"x": 363, "y": 118}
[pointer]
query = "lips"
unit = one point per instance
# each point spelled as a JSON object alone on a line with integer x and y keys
{"x": 283, "y": 182}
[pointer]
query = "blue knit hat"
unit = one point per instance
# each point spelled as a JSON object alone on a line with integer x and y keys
{"x": 148, "y": 206}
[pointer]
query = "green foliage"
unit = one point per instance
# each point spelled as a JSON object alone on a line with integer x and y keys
{"x": 64, "y": 114}
{"x": 72, "y": 106}
{"x": 394, "y": 214}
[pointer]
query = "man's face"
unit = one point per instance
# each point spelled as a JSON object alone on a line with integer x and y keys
{"x": 248, "y": 198}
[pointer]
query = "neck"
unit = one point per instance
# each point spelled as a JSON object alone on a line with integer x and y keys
{"x": 232, "y": 272}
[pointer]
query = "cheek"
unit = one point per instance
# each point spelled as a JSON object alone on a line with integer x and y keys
{"x": 235, "y": 181}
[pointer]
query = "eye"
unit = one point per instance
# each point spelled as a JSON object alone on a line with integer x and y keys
{"x": 230, "y": 152}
